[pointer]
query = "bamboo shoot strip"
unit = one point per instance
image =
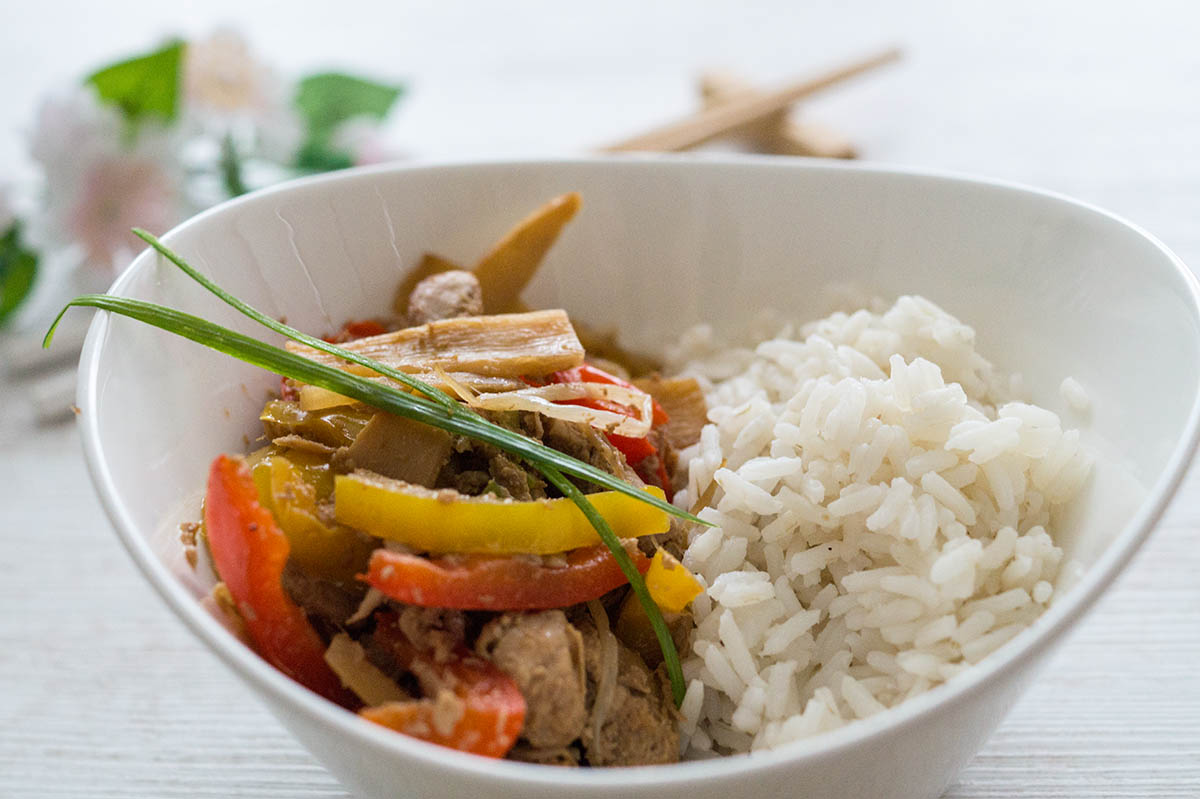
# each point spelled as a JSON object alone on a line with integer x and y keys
{"x": 503, "y": 345}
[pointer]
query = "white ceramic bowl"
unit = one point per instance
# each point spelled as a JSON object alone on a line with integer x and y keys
{"x": 1053, "y": 287}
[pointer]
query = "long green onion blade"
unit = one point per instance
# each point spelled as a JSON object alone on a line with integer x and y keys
{"x": 296, "y": 335}
{"x": 440, "y": 397}
{"x": 383, "y": 397}
{"x": 636, "y": 582}
{"x": 546, "y": 460}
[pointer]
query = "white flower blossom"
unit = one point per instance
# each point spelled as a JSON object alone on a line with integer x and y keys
{"x": 102, "y": 177}
{"x": 362, "y": 138}
{"x": 228, "y": 91}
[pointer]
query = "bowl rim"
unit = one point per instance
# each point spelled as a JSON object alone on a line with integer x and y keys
{"x": 1046, "y": 631}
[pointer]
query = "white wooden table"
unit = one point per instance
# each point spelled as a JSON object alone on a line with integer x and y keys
{"x": 102, "y": 692}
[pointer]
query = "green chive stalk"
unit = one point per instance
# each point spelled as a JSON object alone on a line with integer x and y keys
{"x": 430, "y": 406}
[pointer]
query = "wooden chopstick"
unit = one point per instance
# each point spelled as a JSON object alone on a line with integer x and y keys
{"x": 777, "y": 133}
{"x": 735, "y": 114}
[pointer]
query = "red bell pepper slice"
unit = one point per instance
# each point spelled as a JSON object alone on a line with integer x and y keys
{"x": 482, "y": 582}
{"x": 586, "y": 373}
{"x": 354, "y": 330}
{"x": 492, "y": 706}
{"x": 635, "y": 450}
{"x": 249, "y": 552}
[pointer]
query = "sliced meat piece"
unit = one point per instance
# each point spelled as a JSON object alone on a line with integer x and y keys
{"x": 474, "y": 468}
{"x": 566, "y": 756}
{"x": 585, "y": 443}
{"x": 633, "y": 629}
{"x": 430, "y": 264}
{"x": 436, "y": 630}
{"x": 532, "y": 425}
{"x": 445, "y": 296}
{"x": 674, "y": 540}
{"x": 401, "y": 449}
{"x": 640, "y": 727}
{"x": 543, "y": 653}
{"x": 471, "y": 482}
{"x": 328, "y": 604}
{"x": 509, "y": 475}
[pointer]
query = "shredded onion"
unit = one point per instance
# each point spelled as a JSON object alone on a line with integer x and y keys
{"x": 349, "y": 662}
{"x": 373, "y": 599}
{"x": 315, "y": 398}
{"x": 464, "y": 392}
{"x": 606, "y": 685}
{"x": 545, "y": 399}
{"x": 538, "y": 399}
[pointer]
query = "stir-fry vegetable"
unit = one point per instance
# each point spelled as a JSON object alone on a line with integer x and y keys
{"x": 601, "y": 406}
{"x": 361, "y": 328}
{"x": 671, "y": 585}
{"x": 682, "y": 399}
{"x": 588, "y": 373}
{"x": 673, "y": 588}
{"x": 440, "y": 521}
{"x": 349, "y": 661}
{"x": 249, "y": 552}
{"x": 401, "y": 449}
{"x": 636, "y": 449}
{"x": 481, "y": 582}
{"x": 504, "y": 272}
{"x": 289, "y": 487}
{"x": 315, "y": 398}
{"x": 504, "y": 345}
{"x": 474, "y": 706}
{"x": 335, "y": 427}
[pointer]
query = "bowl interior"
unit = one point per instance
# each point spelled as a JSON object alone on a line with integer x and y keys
{"x": 1053, "y": 288}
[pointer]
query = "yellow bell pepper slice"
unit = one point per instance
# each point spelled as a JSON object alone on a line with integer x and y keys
{"x": 290, "y": 488}
{"x": 445, "y": 521}
{"x": 671, "y": 585}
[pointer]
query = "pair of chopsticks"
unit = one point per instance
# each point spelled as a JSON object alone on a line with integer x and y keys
{"x": 743, "y": 109}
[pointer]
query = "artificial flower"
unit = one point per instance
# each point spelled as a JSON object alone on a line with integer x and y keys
{"x": 229, "y": 92}
{"x": 362, "y": 139}
{"x": 102, "y": 177}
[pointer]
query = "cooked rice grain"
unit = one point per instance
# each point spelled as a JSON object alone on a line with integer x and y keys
{"x": 882, "y": 502}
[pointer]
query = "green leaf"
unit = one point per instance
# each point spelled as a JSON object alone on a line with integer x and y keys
{"x": 319, "y": 155}
{"x": 147, "y": 85}
{"x": 328, "y": 99}
{"x": 18, "y": 268}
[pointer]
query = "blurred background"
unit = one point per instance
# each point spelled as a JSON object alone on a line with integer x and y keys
{"x": 1100, "y": 100}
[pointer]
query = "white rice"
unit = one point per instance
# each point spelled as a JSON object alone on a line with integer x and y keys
{"x": 882, "y": 506}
